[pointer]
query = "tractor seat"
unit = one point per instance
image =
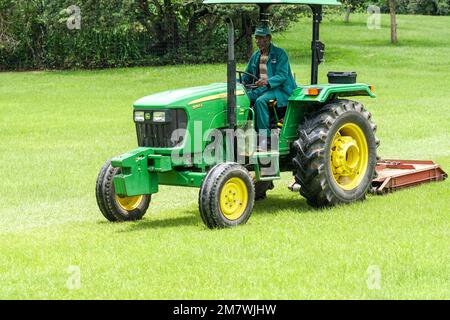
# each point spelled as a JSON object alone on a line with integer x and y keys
{"x": 278, "y": 114}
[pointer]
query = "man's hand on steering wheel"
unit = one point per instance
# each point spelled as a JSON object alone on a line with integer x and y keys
{"x": 248, "y": 85}
{"x": 262, "y": 83}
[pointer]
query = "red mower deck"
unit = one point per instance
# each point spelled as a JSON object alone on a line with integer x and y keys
{"x": 397, "y": 174}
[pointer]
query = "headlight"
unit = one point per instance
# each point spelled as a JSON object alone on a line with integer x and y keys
{"x": 159, "y": 116}
{"x": 139, "y": 116}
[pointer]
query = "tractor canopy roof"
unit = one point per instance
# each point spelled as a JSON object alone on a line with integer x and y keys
{"x": 269, "y": 2}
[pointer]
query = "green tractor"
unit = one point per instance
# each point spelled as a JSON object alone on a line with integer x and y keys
{"x": 326, "y": 140}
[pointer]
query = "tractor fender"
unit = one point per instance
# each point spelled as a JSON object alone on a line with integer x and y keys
{"x": 322, "y": 93}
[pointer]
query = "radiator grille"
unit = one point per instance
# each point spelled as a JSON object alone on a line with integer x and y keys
{"x": 159, "y": 135}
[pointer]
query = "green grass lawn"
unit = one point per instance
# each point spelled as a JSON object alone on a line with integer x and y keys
{"x": 58, "y": 128}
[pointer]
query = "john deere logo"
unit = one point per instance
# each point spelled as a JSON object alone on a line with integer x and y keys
{"x": 147, "y": 116}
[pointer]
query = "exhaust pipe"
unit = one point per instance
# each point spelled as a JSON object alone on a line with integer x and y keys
{"x": 231, "y": 77}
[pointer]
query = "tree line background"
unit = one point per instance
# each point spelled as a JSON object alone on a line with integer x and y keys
{"x": 34, "y": 34}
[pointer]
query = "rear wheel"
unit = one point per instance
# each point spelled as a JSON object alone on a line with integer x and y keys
{"x": 336, "y": 154}
{"x": 113, "y": 206}
{"x": 226, "y": 196}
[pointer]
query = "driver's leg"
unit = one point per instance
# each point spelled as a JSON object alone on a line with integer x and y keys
{"x": 262, "y": 111}
{"x": 262, "y": 119}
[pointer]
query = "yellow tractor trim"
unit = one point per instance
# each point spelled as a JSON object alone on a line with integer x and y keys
{"x": 349, "y": 156}
{"x": 129, "y": 203}
{"x": 233, "y": 198}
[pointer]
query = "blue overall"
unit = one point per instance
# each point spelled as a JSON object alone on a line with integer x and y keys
{"x": 280, "y": 87}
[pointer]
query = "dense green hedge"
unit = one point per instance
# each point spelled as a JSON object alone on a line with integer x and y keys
{"x": 425, "y": 7}
{"x": 34, "y": 33}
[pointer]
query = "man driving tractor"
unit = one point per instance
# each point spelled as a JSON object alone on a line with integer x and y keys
{"x": 327, "y": 141}
{"x": 270, "y": 65}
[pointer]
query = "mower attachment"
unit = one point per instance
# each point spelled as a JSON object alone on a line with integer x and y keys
{"x": 397, "y": 174}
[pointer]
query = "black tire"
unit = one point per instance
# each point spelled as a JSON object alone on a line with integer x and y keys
{"x": 210, "y": 193}
{"x": 99, "y": 191}
{"x": 313, "y": 162}
{"x": 261, "y": 188}
{"x": 108, "y": 203}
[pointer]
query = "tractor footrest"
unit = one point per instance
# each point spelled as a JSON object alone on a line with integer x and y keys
{"x": 397, "y": 174}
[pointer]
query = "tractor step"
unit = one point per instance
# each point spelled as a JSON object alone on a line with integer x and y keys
{"x": 267, "y": 166}
{"x": 397, "y": 174}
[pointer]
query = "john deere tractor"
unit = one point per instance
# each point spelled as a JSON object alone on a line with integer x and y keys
{"x": 327, "y": 141}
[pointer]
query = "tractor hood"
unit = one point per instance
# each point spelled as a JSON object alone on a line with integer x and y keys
{"x": 185, "y": 96}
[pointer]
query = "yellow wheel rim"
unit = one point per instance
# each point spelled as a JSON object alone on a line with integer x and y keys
{"x": 129, "y": 203}
{"x": 349, "y": 156}
{"x": 234, "y": 198}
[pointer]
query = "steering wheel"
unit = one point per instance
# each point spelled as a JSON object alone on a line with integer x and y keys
{"x": 248, "y": 85}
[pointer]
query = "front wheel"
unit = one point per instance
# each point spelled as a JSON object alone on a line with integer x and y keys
{"x": 336, "y": 154}
{"x": 226, "y": 196}
{"x": 112, "y": 206}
